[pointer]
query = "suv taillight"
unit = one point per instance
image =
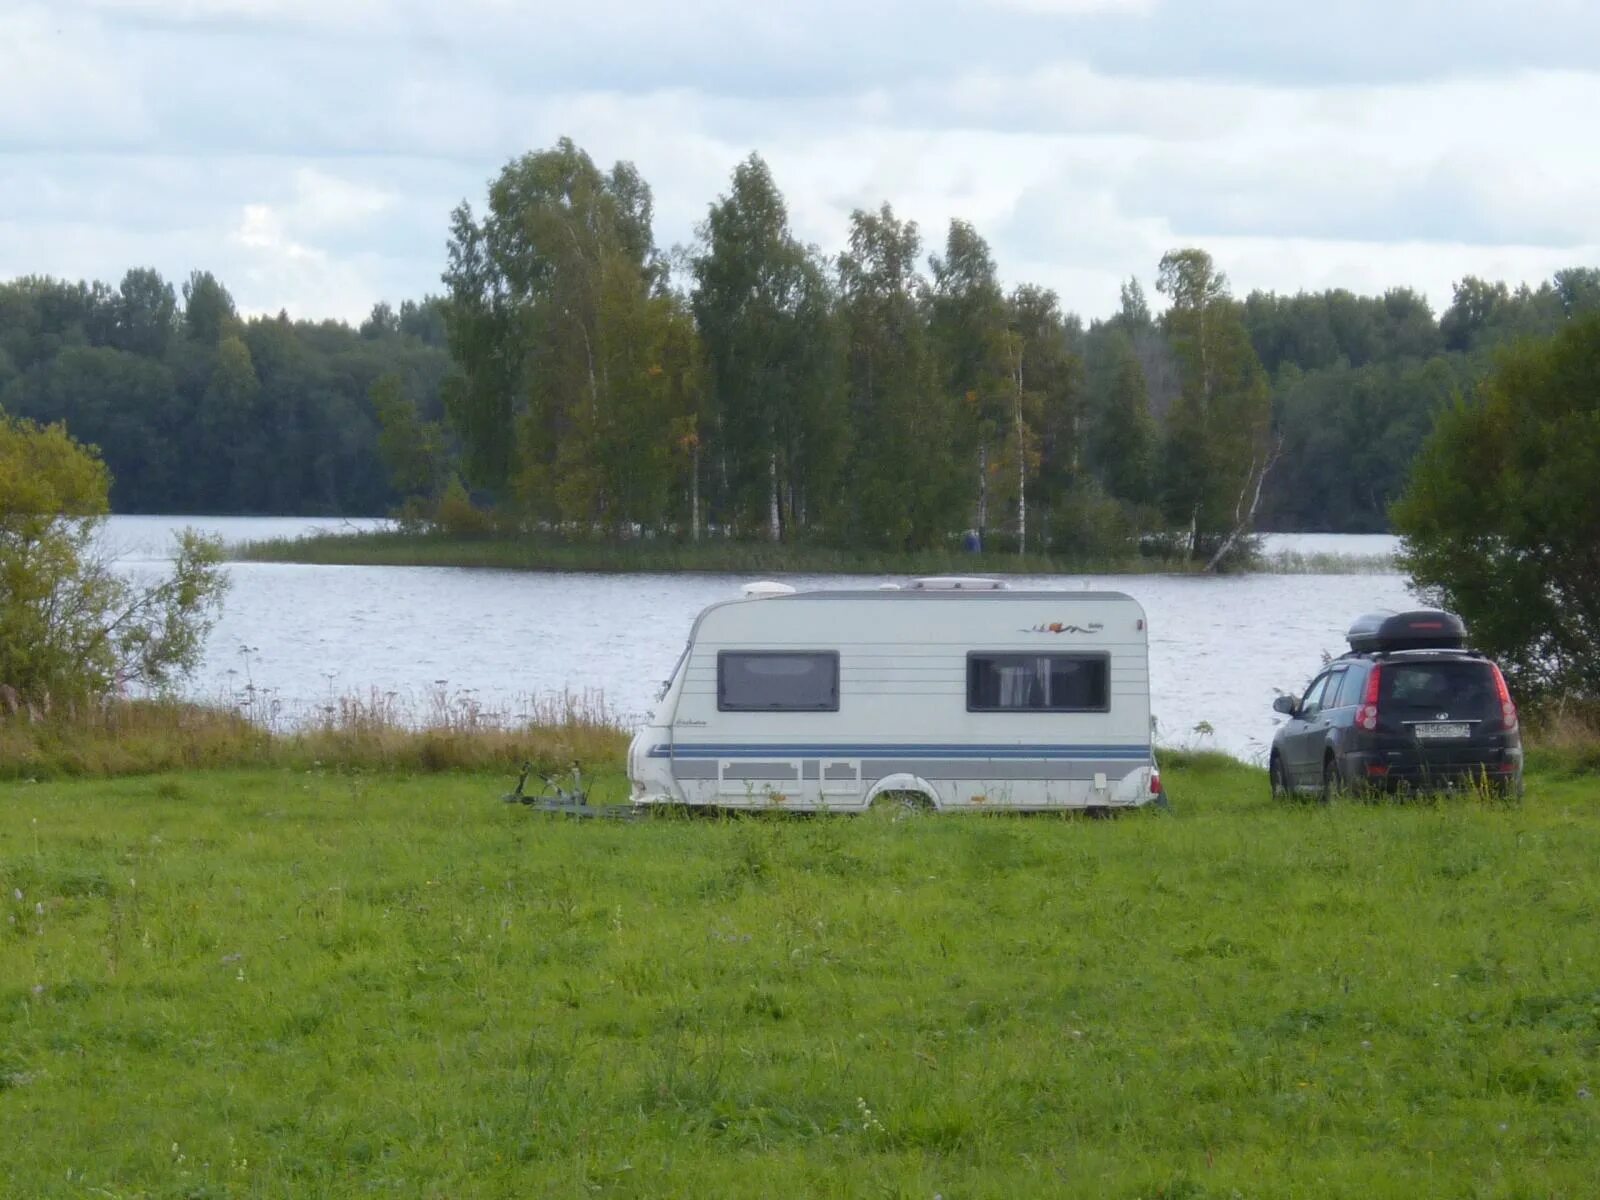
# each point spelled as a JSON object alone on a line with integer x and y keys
{"x": 1367, "y": 714}
{"x": 1508, "y": 710}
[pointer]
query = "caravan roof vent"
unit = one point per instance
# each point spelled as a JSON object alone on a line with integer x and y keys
{"x": 1424, "y": 629}
{"x": 763, "y": 588}
{"x": 956, "y": 583}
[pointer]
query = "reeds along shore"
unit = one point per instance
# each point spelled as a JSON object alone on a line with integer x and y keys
{"x": 379, "y": 732}
{"x": 375, "y": 732}
{"x": 718, "y": 555}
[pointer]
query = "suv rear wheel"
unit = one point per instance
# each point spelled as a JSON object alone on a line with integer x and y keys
{"x": 1332, "y": 784}
{"x": 1276, "y": 779}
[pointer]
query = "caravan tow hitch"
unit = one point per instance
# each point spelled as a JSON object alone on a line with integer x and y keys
{"x": 553, "y": 797}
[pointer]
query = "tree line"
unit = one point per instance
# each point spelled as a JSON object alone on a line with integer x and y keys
{"x": 575, "y": 376}
{"x": 197, "y": 410}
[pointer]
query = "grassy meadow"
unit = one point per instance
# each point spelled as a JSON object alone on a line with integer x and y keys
{"x": 291, "y": 980}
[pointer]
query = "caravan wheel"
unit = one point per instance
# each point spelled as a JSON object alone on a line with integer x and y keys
{"x": 901, "y": 804}
{"x": 903, "y": 794}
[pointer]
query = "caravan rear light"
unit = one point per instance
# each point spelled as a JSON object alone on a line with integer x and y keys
{"x": 1155, "y": 783}
{"x": 1508, "y": 710}
{"x": 1367, "y": 714}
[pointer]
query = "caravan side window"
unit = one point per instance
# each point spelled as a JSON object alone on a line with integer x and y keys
{"x": 777, "y": 681}
{"x": 1038, "y": 682}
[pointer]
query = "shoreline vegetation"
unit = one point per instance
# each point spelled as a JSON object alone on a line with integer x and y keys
{"x": 725, "y": 556}
{"x": 377, "y": 733}
{"x": 371, "y": 733}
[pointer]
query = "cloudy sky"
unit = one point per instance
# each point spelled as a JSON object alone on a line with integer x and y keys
{"x": 309, "y": 151}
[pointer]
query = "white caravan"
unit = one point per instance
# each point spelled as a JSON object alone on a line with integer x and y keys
{"x": 954, "y": 693}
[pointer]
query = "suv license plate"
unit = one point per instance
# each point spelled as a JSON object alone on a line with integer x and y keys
{"x": 1453, "y": 730}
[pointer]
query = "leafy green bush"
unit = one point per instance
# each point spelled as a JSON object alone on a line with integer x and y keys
{"x": 457, "y": 515}
{"x": 1498, "y": 522}
{"x": 70, "y": 626}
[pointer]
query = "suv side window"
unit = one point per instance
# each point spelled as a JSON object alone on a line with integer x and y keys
{"x": 1355, "y": 680}
{"x": 1333, "y": 694}
{"x": 1311, "y": 702}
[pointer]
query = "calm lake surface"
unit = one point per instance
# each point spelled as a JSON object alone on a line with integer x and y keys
{"x": 302, "y": 635}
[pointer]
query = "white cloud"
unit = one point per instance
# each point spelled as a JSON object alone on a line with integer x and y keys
{"x": 310, "y": 152}
{"x": 1295, "y": 264}
{"x": 306, "y": 279}
{"x": 325, "y": 202}
{"x": 322, "y": 13}
{"x": 1075, "y": 8}
{"x": 62, "y": 81}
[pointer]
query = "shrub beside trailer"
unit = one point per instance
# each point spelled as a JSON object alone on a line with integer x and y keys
{"x": 950, "y": 693}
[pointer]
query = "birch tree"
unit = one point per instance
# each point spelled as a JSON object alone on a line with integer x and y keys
{"x": 904, "y": 491}
{"x": 559, "y": 319}
{"x": 1218, "y": 447}
{"x": 764, "y": 312}
{"x": 978, "y": 364}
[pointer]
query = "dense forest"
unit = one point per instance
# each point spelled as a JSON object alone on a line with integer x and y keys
{"x": 196, "y": 410}
{"x": 575, "y": 376}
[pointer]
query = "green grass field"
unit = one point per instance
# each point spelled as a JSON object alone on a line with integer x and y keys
{"x": 277, "y": 982}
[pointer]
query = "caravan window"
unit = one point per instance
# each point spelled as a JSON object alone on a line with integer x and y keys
{"x": 777, "y": 681}
{"x": 1038, "y": 682}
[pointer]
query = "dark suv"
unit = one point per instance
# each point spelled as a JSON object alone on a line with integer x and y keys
{"x": 1408, "y": 707}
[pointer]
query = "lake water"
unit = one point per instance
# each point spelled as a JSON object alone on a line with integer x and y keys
{"x": 300, "y": 635}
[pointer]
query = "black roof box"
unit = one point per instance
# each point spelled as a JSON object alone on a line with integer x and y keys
{"x": 1424, "y": 629}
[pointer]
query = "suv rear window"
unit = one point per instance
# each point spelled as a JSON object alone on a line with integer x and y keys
{"x": 1422, "y": 691}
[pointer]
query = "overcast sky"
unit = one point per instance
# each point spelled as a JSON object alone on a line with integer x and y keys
{"x": 309, "y": 151}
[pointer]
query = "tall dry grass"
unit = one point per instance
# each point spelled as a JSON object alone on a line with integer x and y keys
{"x": 375, "y": 732}
{"x": 1563, "y": 739}
{"x": 442, "y": 732}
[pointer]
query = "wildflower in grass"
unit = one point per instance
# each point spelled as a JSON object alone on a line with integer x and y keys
{"x": 869, "y": 1120}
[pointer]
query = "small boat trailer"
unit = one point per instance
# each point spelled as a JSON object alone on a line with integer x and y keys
{"x": 572, "y": 801}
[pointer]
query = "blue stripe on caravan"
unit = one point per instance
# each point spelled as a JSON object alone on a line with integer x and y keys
{"x": 812, "y": 750}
